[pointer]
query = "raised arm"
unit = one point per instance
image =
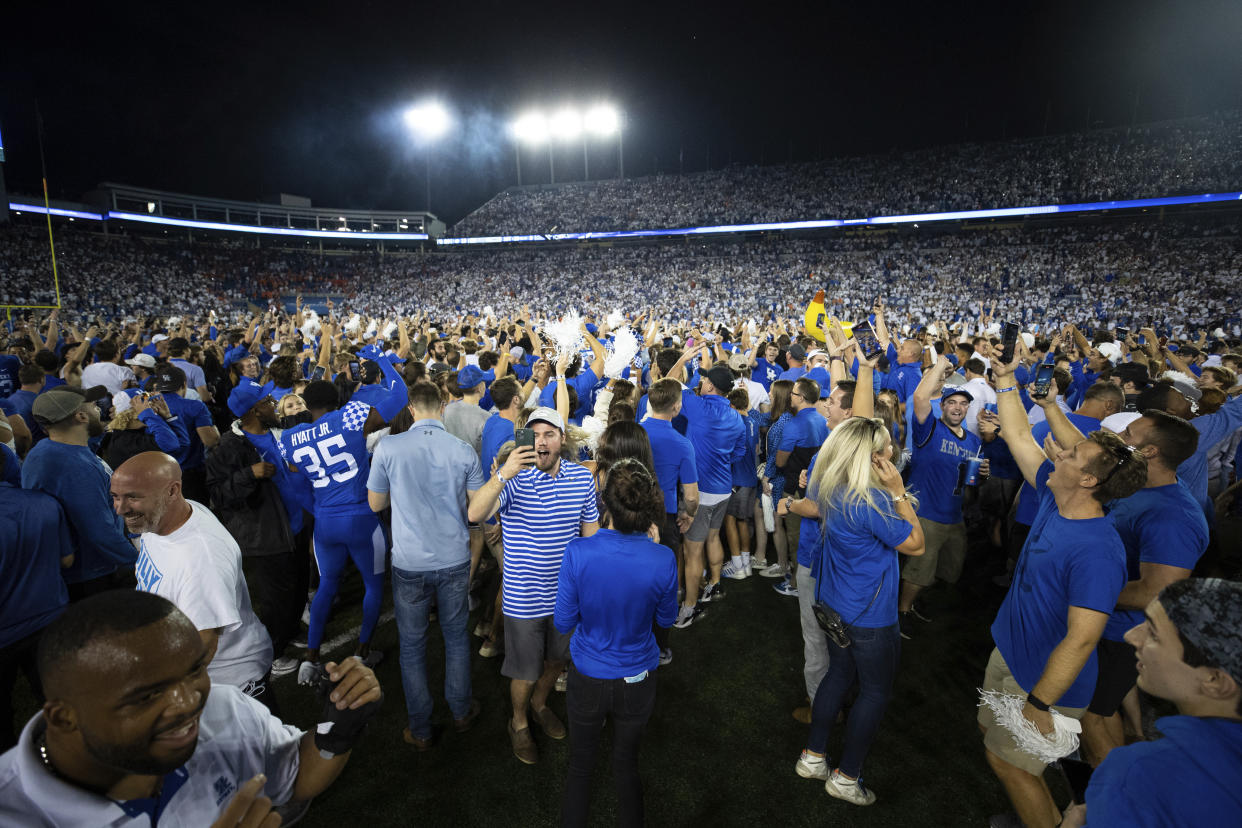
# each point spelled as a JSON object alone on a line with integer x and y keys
{"x": 1015, "y": 428}
{"x": 864, "y": 391}
{"x": 929, "y": 387}
{"x": 597, "y": 350}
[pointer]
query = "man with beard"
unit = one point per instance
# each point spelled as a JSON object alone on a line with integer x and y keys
{"x": 188, "y": 557}
{"x": 134, "y": 731}
{"x": 942, "y": 451}
{"x": 260, "y": 501}
{"x": 542, "y": 508}
{"x": 65, "y": 468}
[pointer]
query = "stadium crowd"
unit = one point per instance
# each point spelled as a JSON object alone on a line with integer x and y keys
{"x": 573, "y": 453}
{"x": 1199, "y": 155}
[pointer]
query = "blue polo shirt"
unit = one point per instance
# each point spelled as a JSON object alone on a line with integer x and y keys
{"x": 1159, "y": 525}
{"x": 1064, "y": 563}
{"x": 938, "y": 468}
{"x": 674, "y": 459}
{"x": 744, "y": 473}
{"x": 540, "y": 515}
{"x": 610, "y": 588}
{"x": 33, "y": 537}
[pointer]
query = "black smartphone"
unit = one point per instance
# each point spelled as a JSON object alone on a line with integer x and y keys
{"x": 317, "y": 374}
{"x": 867, "y": 343}
{"x": 1122, "y": 333}
{"x": 1009, "y": 342}
{"x": 1043, "y": 380}
{"x": 355, "y": 372}
{"x": 1078, "y": 774}
{"x": 524, "y": 437}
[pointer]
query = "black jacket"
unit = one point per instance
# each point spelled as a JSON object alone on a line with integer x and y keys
{"x": 250, "y": 508}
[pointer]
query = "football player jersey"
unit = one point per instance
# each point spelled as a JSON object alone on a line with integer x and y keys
{"x": 332, "y": 452}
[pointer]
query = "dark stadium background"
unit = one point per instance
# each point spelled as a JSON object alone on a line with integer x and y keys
{"x": 244, "y": 100}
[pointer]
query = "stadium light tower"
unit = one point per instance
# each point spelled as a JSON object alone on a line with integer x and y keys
{"x": 567, "y": 124}
{"x": 604, "y": 120}
{"x": 428, "y": 122}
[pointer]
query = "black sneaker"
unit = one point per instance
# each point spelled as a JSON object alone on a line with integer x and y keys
{"x": 906, "y": 620}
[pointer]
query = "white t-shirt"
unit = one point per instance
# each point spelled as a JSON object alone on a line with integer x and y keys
{"x": 982, "y": 394}
{"x": 108, "y": 374}
{"x": 237, "y": 739}
{"x": 199, "y": 568}
{"x": 755, "y": 393}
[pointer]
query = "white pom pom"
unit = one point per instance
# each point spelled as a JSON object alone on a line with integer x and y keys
{"x": 1008, "y": 711}
{"x": 353, "y": 325}
{"x": 615, "y": 319}
{"x": 566, "y": 333}
{"x": 621, "y": 352}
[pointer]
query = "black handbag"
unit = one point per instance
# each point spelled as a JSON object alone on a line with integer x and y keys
{"x": 830, "y": 622}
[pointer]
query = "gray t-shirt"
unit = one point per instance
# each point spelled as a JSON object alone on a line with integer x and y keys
{"x": 464, "y": 420}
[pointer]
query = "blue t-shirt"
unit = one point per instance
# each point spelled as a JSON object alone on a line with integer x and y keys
{"x": 1000, "y": 458}
{"x": 9, "y": 366}
{"x": 1064, "y": 563}
{"x": 80, "y": 482}
{"x": 810, "y": 538}
{"x": 1028, "y": 501}
{"x": 744, "y": 473}
{"x": 332, "y": 453}
{"x": 1160, "y": 525}
{"x": 859, "y": 561}
{"x": 496, "y": 432}
{"x": 33, "y": 537}
{"x": 193, "y": 415}
{"x": 583, "y": 382}
{"x": 680, "y": 425}
{"x": 611, "y": 585}
{"x": 674, "y": 459}
{"x": 1190, "y": 778}
{"x": 718, "y": 436}
{"x": 765, "y": 373}
{"x": 938, "y": 468}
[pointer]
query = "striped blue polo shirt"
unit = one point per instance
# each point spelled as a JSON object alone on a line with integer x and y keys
{"x": 540, "y": 515}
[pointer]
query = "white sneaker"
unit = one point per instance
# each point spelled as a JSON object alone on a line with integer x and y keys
{"x": 283, "y": 666}
{"x": 736, "y": 573}
{"x": 311, "y": 673}
{"x": 812, "y": 767}
{"x": 773, "y": 571}
{"x": 849, "y": 790}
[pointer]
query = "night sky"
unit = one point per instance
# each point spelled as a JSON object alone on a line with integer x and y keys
{"x": 248, "y": 100}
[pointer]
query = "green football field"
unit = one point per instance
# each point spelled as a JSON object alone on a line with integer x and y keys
{"x": 721, "y": 745}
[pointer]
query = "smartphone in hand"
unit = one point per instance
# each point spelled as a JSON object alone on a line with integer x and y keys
{"x": 1042, "y": 383}
{"x": 524, "y": 437}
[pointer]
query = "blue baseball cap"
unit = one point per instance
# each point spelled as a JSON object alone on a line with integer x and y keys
{"x": 469, "y": 377}
{"x": 949, "y": 392}
{"x": 246, "y": 395}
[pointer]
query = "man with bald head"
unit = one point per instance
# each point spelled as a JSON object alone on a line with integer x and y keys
{"x": 188, "y": 557}
{"x": 134, "y": 732}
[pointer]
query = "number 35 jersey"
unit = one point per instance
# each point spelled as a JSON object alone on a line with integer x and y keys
{"x": 332, "y": 452}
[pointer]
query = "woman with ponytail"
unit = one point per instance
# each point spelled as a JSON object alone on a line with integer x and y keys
{"x": 612, "y": 586}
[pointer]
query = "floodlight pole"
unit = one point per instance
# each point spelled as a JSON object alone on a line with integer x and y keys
{"x": 517, "y": 157}
{"x": 551, "y": 164}
{"x": 586, "y": 165}
{"x": 428, "y": 159}
{"x": 621, "y": 145}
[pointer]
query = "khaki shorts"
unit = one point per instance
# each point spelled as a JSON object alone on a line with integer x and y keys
{"x": 995, "y": 738}
{"x": 944, "y": 551}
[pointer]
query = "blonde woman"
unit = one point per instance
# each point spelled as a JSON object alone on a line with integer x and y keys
{"x": 868, "y": 518}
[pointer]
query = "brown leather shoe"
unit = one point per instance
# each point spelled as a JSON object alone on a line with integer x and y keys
{"x": 803, "y": 714}
{"x": 419, "y": 744}
{"x": 467, "y": 721}
{"x": 548, "y": 722}
{"x": 523, "y": 744}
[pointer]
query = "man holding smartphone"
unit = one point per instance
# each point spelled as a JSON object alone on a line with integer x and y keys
{"x": 543, "y": 507}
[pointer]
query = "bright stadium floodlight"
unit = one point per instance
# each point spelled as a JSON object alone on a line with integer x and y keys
{"x": 428, "y": 120}
{"x": 603, "y": 120}
{"x": 531, "y": 128}
{"x": 566, "y": 125}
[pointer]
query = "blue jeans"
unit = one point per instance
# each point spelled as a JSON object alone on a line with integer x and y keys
{"x": 872, "y": 660}
{"x": 411, "y": 599}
